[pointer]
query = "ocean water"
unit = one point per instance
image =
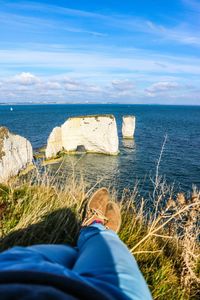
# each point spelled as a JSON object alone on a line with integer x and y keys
{"x": 180, "y": 164}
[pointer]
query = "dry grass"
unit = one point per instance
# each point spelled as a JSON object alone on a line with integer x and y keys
{"x": 165, "y": 242}
{"x": 161, "y": 231}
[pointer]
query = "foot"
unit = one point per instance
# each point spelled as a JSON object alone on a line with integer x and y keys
{"x": 96, "y": 207}
{"x": 113, "y": 216}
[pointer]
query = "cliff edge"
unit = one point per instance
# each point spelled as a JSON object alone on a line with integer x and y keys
{"x": 15, "y": 154}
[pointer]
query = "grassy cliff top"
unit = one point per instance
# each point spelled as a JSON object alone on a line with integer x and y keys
{"x": 3, "y": 131}
{"x": 92, "y": 116}
{"x": 3, "y": 134}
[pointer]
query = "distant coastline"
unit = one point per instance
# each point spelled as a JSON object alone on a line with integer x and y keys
{"x": 95, "y": 103}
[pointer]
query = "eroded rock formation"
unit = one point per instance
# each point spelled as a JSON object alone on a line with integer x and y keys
{"x": 15, "y": 154}
{"x": 128, "y": 127}
{"x": 54, "y": 143}
{"x": 96, "y": 134}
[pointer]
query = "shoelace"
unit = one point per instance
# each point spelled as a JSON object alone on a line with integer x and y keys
{"x": 91, "y": 213}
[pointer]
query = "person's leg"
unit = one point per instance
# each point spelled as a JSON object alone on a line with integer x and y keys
{"x": 61, "y": 254}
{"x": 106, "y": 261}
{"x": 103, "y": 256}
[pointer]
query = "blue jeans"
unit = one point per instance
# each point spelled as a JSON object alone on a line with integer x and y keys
{"x": 100, "y": 259}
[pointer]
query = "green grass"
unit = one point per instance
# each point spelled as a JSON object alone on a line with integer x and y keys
{"x": 41, "y": 209}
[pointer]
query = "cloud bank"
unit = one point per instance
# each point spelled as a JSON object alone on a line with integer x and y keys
{"x": 27, "y": 87}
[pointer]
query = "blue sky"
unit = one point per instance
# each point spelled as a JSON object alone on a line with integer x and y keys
{"x": 105, "y": 51}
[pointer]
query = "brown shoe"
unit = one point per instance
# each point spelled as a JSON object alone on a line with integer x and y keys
{"x": 113, "y": 215}
{"x": 96, "y": 207}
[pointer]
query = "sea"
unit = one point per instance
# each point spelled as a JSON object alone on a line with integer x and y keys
{"x": 168, "y": 134}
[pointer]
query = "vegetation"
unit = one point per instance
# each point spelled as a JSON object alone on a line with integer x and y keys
{"x": 161, "y": 231}
{"x": 93, "y": 116}
{"x": 3, "y": 135}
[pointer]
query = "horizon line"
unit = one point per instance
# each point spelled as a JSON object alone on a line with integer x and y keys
{"x": 96, "y": 103}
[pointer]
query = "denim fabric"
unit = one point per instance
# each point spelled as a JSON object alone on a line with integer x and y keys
{"x": 101, "y": 260}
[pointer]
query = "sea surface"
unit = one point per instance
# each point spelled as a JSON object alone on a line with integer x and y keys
{"x": 136, "y": 163}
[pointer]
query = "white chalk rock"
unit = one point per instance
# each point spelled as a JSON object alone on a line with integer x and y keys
{"x": 128, "y": 127}
{"x": 96, "y": 134}
{"x": 54, "y": 143}
{"x": 16, "y": 153}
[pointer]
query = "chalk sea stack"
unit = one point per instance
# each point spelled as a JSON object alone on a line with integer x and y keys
{"x": 96, "y": 134}
{"x": 128, "y": 127}
{"x": 16, "y": 153}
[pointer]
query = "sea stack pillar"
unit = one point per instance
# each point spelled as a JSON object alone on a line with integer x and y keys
{"x": 128, "y": 127}
{"x": 96, "y": 134}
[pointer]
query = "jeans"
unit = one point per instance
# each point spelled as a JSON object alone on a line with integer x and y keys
{"x": 100, "y": 259}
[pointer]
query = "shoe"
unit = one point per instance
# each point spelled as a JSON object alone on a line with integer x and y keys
{"x": 96, "y": 207}
{"x": 113, "y": 216}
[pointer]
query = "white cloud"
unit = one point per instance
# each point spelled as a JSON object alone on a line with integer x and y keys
{"x": 93, "y": 88}
{"x": 16, "y": 20}
{"x": 49, "y": 8}
{"x": 22, "y": 88}
{"x": 25, "y": 79}
{"x": 52, "y": 85}
{"x": 162, "y": 86}
{"x": 72, "y": 86}
{"x": 166, "y": 88}
{"x": 29, "y": 87}
{"x": 123, "y": 85}
{"x": 181, "y": 33}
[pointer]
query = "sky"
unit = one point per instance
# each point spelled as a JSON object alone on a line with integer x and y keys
{"x": 100, "y": 51}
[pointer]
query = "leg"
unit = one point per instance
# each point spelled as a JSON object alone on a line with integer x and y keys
{"x": 61, "y": 254}
{"x": 106, "y": 261}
